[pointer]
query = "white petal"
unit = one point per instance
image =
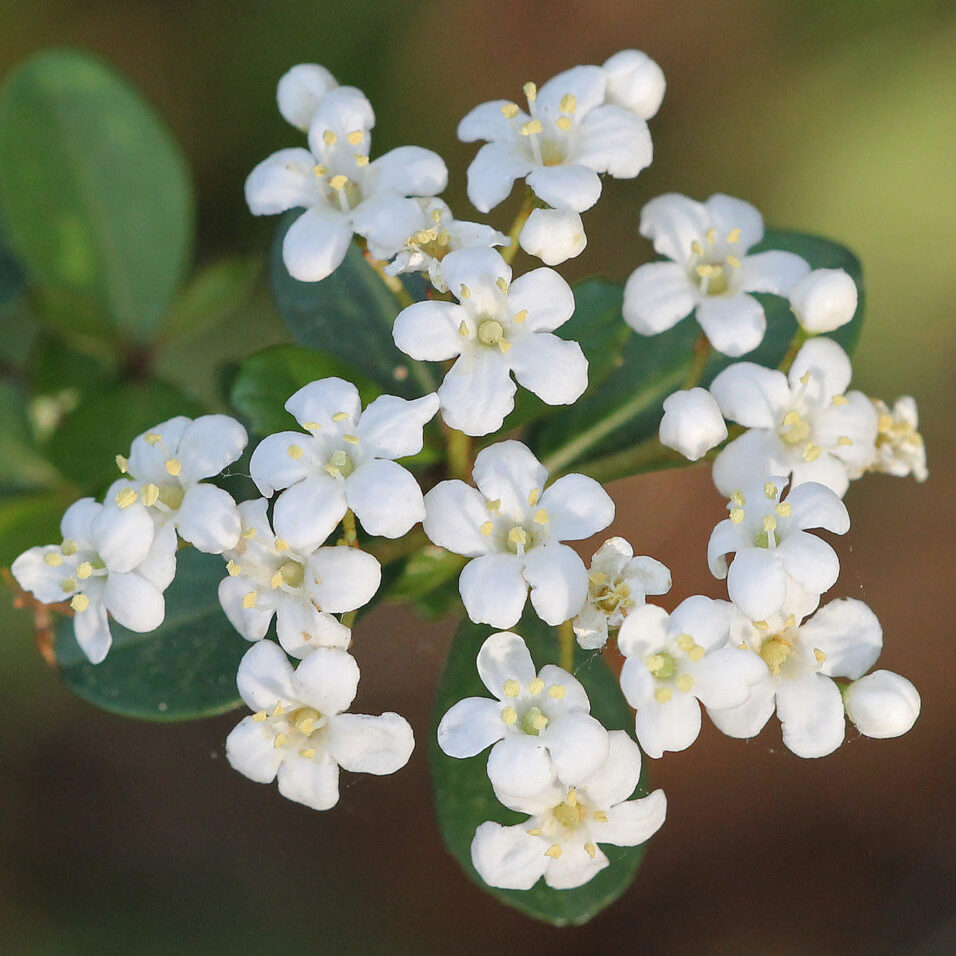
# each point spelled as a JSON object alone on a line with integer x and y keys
{"x": 848, "y": 633}
{"x": 753, "y": 396}
{"x": 824, "y": 300}
{"x": 122, "y": 537}
{"x": 633, "y": 822}
{"x": 386, "y": 221}
{"x": 492, "y": 173}
{"x": 674, "y": 222}
{"x": 617, "y": 777}
{"x": 282, "y": 181}
{"x": 615, "y": 141}
{"x": 385, "y": 497}
{"x": 692, "y": 423}
{"x": 586, "y": 84}
{"x": 727, "y": 213}
{"x": 756, "y": 452}
{"x": 573, "y": 187}
{"x": 327, "y": 680}
{"x": 250, "y": 749}
{"x": 814, "y": 506}
{"x": 300, "y": 90}
{"x": 657, "y": 296}
{"x": 811, "y": 715}
{"x": 486, "y": 121}
{"x": 577, "y": 507}
{"x": 504, "y": 657}
{"x": 573, "y": 869}
{"x": 774, "y": 271}
{"x": 470, "y": 726}
{"x": 272, "y": 467}
{"x": 315, "y": 244}
{"x": 575, "y": 697}
{"x": 208, "y": 519}
{"x": 314, "y": 783}
{"x": 508, "y": 857}
{"x": 749, "y": 718}
{"x": 882, "y": 704}
{"x": 301, "y": 628}
{"x": 33, "y": 574}
{"x": 644, "y": 630}
{"x": 520, "y": 766}
{"x": 377, "y": 745}
{"x": 477, "y": 392}
{"x": 428, "y": 331}
{"x": 264, "y": 678}
{"x": 134, "y": 602}
{"x": 493, "y": 590}
{"x": 706, "y": 620}
{"x": 635, "y": 82}
{"x": 545, "y": 296}
{"x": 578, "y": 745}
{"x": 252, "y": 623}
{"x": 208, "y": 445}
{"x": 92, "y": 631}
{"x": 651, "y": 575}
{"x": 320, "y": 402}
{"x": 757, "y": 583}
{"x": 342, "y": 110}
{"x": 553, "y": 235}
{"x": 391, "y": 427}
{"x": 671, "y": 726}
{"x": 342, "y": 579}
{"x": 553, "y": 369}
{"x": 508, "y": 472}
{"x": 558, "y": 580}
{"x": 828, "y": 367}
{"x": 147, "y": 459}
{"x": 734, "y": 325}
{"x": 724, "y": 539}
{"x": 454, "y": 513}
{"x": 724, "y": 677}
{"x": 409, "y": 171}
{"x": 811, "y": 562}
{"x": 306, "y": 514}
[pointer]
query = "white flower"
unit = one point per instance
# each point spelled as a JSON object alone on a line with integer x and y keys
{"x": 560, "y": 840}
{"x": 300, "y": 732}
{"x": 882, "y": 704}
{"x": 165, "y": 471}
{"x": 341, "y": 191}
{"x": 498, "y": 328}
{"x": 513, "y": 528}
{"x": 345, "y": 461}
{"x": 618, "y": 582}
{"x": 843, "y": 639}
{"x": 824, "y": 300}
{"x": 537, "y": 726}
{"x": 692, "y": 423}
{"x": 566, "y": 138}
{"x": 438, "y": 234}
{"x": 772, "y": 546}
{"x": 300, "y": 91}
{"x": 710, "y": 271}
{"x": 553, "y": 235}
{"x": 98, "y": 568}
{"x": 674, "y": 661}
{"x": 302, "y": 589}
{"x": 900, "y": 450}
{"x": 804, "y": 424}
{"x": 635, "y": 82}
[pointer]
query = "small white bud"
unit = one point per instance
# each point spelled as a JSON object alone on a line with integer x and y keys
{"x": 882, "y": 704}
{"x": 553, "y": 235}
{"x": 300, "y": 90}
{"x": 824, "y": 300}
{"x": 692, "y": 423}
{"x": 635, "y": 82}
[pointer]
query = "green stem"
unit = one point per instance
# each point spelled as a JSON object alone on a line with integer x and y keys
{"x": 702, "y": 353}
{"x": 459, "y": 454}
{"x": 566, "y": 646}
{"x": 799, "y": 338}
{"x": 511, "y": 250}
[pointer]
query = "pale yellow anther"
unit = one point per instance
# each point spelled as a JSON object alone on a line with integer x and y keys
{"x": 663, "y": 694}
{"x": 249, "y": 533}
{"x": 737, "y": 497}
{"x": 819, "y": 655}
{"x": 784, "y": 509}
{"x": 504, "y": 345}
{"x": 249, "y": 599}
{"x": 122, "y": 463}
{"x": 259, "y": 716}
{"x": 811, "y": 452}
{"x": 534, "y": 831}
{"x": 312, "y": 426}
{"x": 536, "y": 686}
{"x": 805, "y": 378}
{"x": 233, "y": 569}
{"x": 557, "y": 691}
{"x": 494, "y": 506}
{"x": 278, "y": 709}
{"x": 733, "y": 236}
{"x": 518, "y": 536}
{"x": 791, "y": 621}
{"x": 318, "y": 170}
{"x": 845, "y": 441}
{"x": 339, "y": 182}
{"x": 463, "y": 329}
{"x": 541, "y": 516}
{"x": 572, "y": 798}
{"x": 554, "y": 851}
{"x": 736, "y": 515}
{"x": 152, "y": 438}
{"x": 149, "y": 494}
{"x": 569, "y": 103}
{"x": 696, "y": 653}
{"x": 761, "y": 625}
{"x": 361, "y": 160}
{"x": 843, "y": 400}
{"x": 512, "y": 687}
{"x": 486, "y": 528}
{"x": 564, "y": 122}
{"x": 696, "y": 248}
{"x": 67, "y": 585}
{"x": 329, "y": 138}
{"x": 600, "y": 816}
{"x": 280, "y": 741}
{"x": 530, "y": 91}
{"x": 276, "y": 580}
{"x": 711, "y": 236}
{"x": 685, "y": 642}
{"x": 770, "y": 490}
{"x": 84, "y": 570}
{"x": 509, "y": 715}
{"x": 685, "y": 682}
{"x": 173, "y": 466}
{"x": 539, "y": 721}
{"x": 464, "y": 292}
{"x": 355, "y": 137}
{"x": 126, "y": 497}
{"x": 79, "y": 603}
{"x": 294, "y": 451}
{"x": 308, "y": 753}
{"x": 510, "y": 110}
{"x": 769, "y": 523}
{"x": 351, "y": 439}
{"x": 655, "y": 662}
{"x": 533, "y": 496}
{"x": 502, "y": 283}
{"x": 734, "y": 261}
{"x": 53, "y": 559}
{"x": 531, "y": 128}
{"x": 519, "y": 317}
{"x": 590, "y": 849}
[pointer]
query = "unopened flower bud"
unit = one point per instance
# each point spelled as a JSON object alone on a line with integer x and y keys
{"x": 553, "y": 235}
{"x": 692, "y": 423}
{"x": 824, "y": 300}
{"x": 882, "y": 704}
{"x": 635, "y": 82}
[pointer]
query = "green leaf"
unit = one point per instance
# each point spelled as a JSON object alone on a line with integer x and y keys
{"x": 266, "y": 380}
{"x": 22, "y": 465}
{"x": 596, "y": 434}
{"x": 464, "y": 797}
{"x": 348, "y": 315}
{"x": 11, "y": 275}
{"x": 184, "y": 669}
{"x": 27, "y": 520}
{"x": 429, "y": 579}
{"x": 96, "y": 196}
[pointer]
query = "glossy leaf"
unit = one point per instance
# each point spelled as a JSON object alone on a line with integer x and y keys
{"x": 96, "y": 196}
{"x": 464, "y": 797}
{"x": 27, "y": 520}
{"x": 22, "y": 465}
{"x": 184, "y": 669}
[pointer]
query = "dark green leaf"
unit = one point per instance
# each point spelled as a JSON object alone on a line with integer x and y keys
{"x": 429, "y": 580}
{"x": 22, "y": 465}
{"x": 267, "y": 379}
{"x": 55, "y": 367}
{"x": 11, "y": 275}
{"x": 348, "y": 315}
{"x": 184, "y": 669}
{"x": 463, "y": 794}
{"x": 95, "y": 194}
{"x": 27, "y": 520}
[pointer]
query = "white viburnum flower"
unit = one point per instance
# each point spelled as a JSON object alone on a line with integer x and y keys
{"x": 302, "y": 589}
{"x": 772, "y": 546}
{"x": 512, "y": 528}
{"x": 300, "y": 90}
{"x": 538, "y": 726}
{"x": 692, "y": 423}
{"x": 634, "y": 82}
{"x": 438, "y": 234}
{"x": 824, "y": 300}
{"x": 882, "y": 704}
{"x": 99, "y": 568}
{"x": 900, "y": 450}
{"x": 709, "y": 273}
{"x": 804, "y": 424}
{"x": 618, "y": 582}
{"x": 561, "y": 839}
{"x": 677, "y": 662}
{"x": 559, "y": 146}
{"x": 300, "y": 732}
{"x": 165, "y": 472}
{"x": 498, "y": 327}
{"x": 553, "y": 235}
{"x": 843, "y": 639}
{"x": 345, "y": 460}
{"x": 341, "y": 191}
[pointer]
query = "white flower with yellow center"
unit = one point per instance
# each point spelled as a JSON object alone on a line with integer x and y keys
{"x": 710, "y": 272}
{"x": 677, "y": 662}
{"x": 498, "y": 327}
{"x": 618, "y": 583}
{"x": 300, "y": 90}
{"x": 538, "y": 725}
{"x": 341, "y": 191}
{"x": 804, "y": 424}
{"x": 900, "y": 450}
{"x": 560, "y": 841}
{"x": 165, "y": 471}
{"x": 843, "y": 639}
{"x": 300, "y": 732}
{"x": 301, "y": 589}
{"x": 439, "y": 234}
{"x": 771, "y": 544}
{"x": 99, "y": 568}
{"x": 345, "y": 459}
{"x": 567, "y": 136}
{"x": 513, "y": 528}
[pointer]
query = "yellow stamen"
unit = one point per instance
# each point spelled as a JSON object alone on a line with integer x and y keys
{"x": 572, "y": 798}
{"x": 502, "y": 283}
{"x": 531, "y": 128}
{"x": 122, "y": 463}
{"x": 464, "y": 292}
{"x": 663, "y": 694}
{"x": 530, "y": 91}
{"x": 769, "y": 523}
{"x": 536, "y": 686}
{"x": 819, "y": 655}
{"x": 736, "y": 515}
{"x": 733, "y": 236}
{"x": 811, "y": 452}
{"x": 294, "y": 451}
{"x": 281, "y": 544}
{"x": 249, "y": 533}
{"x": 487, "y": 528}
{"x": 518, "y": 536}
{"x": 276, "y": 580}
{"x": 329, "y": 138}
{"x": 519, "y": 317}
{"x": 260, "y": 716}
{"x": 600, "y": 816}
{"x": 534, "y": 831}
{"x": 338, "y": 182}
{"x": 685, "y": 682}
{"x": 533, "y": 496}
{"x": 845, "y": 441}
{"x": 784, "y": 509}
{"x": 463, "y": 330}
{"x": 590, "y": 849}
{"x": 126, "y": 497}
{"x": 770, "y": 490}
{"x": 557, "y": 691}
{"x": 494, "y": 505}
{"x": 510, "y": 110}
{"x": 249, "y": 600}
{"x": 152, "y": 438}
{"x": 509, "y": 715}
{"x": 737, "y": 497}
{"x": 149, "y": 494}
{"x": 355, "y": 137}
{"x": 696, "y": 653}
{"x": 84, "y": 570}
{"x": 512, "y": 687}
{"x": 233, "y": 568}
{"x": 554, "y": 851}
{"x": 308, "y": 753}
{"x": 541, "y": 516}
{"x": 734, "y": 261}
{"x": 79, "y": 602}
{"x": 564, "y": 122}
{"x": 280, "y": 741}
{"x": 173, "y": 466}
{"x": 685, "y": 642}
{"x": 843, "y": 400}
{"x": 361, "y": 160}
{"x": 53, "y": 559}
{"x": 351, "y": 439}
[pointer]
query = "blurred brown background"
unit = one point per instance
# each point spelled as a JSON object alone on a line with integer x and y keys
{"x": 835, "y": 117}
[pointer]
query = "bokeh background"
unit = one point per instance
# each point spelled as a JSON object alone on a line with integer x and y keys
{"x": 833, "y": 116}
